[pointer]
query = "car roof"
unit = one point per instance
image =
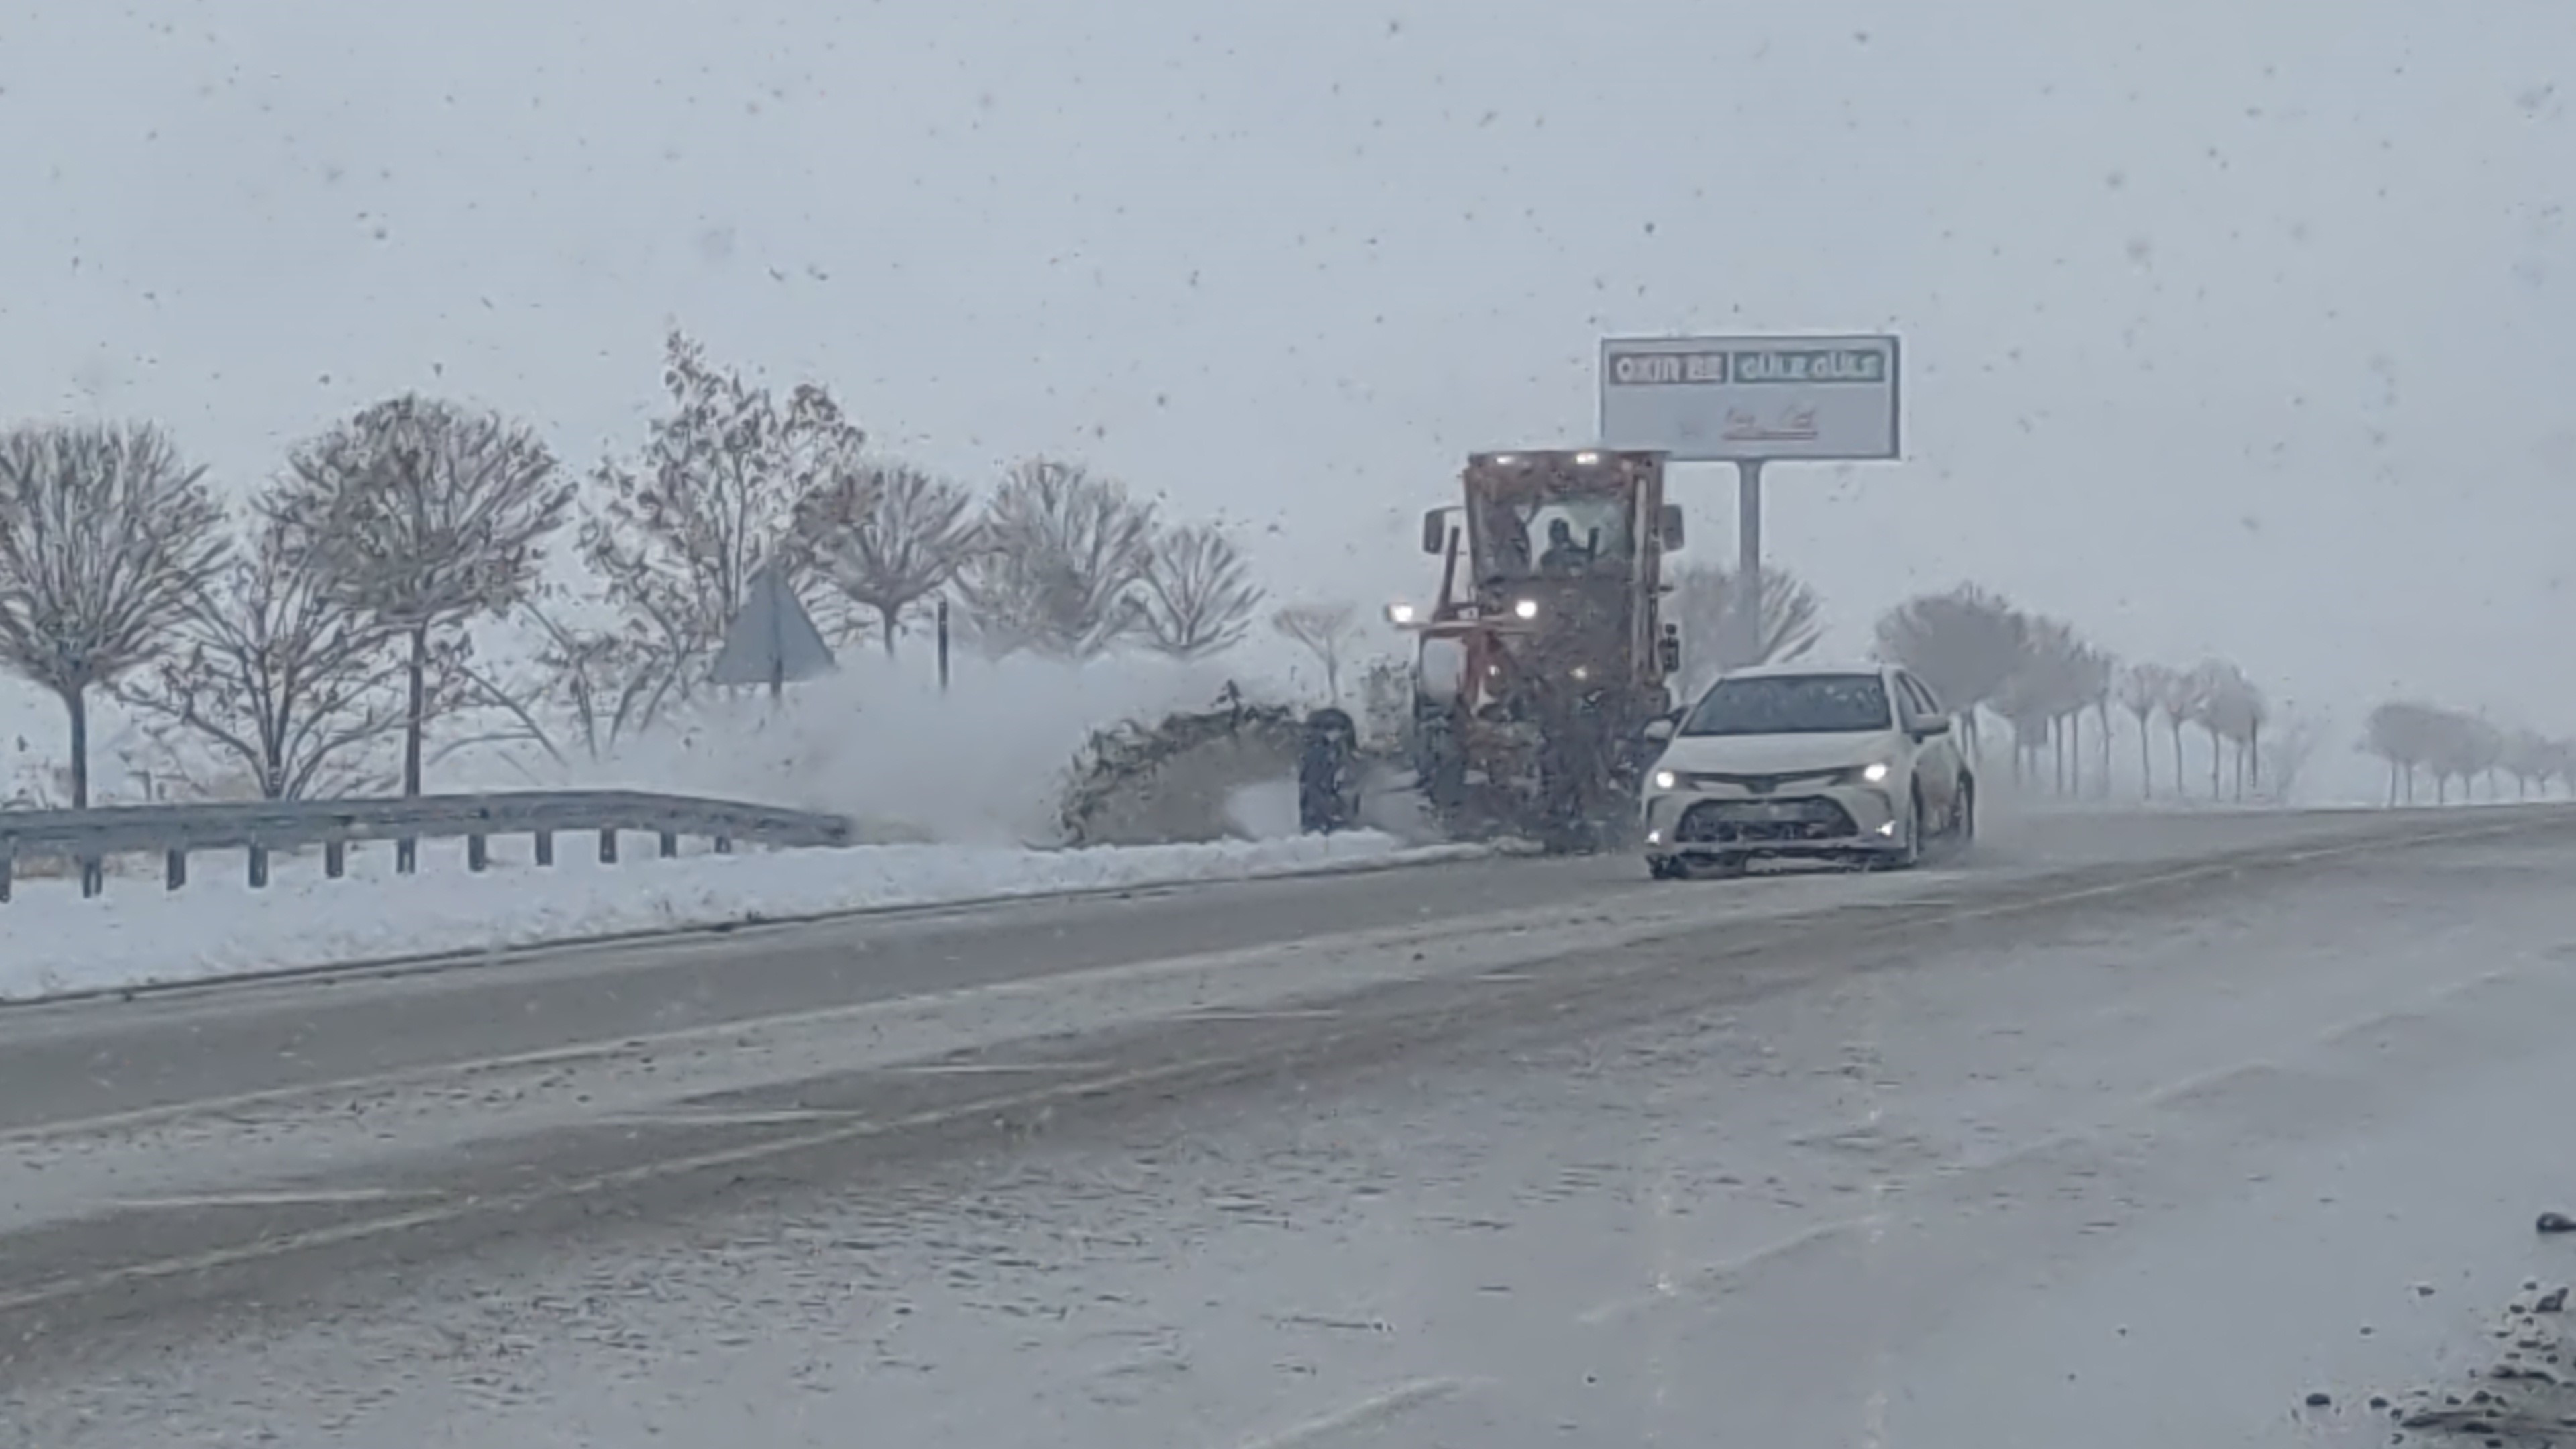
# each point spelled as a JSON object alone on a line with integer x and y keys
{"x": 1804, "y": 668}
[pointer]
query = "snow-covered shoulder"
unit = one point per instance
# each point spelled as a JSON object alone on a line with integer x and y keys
{"x": 137, "y": 934}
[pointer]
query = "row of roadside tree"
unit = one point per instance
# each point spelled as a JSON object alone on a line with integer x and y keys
{"x": 2057, "y": 694}
{"x": 425, "y": 576}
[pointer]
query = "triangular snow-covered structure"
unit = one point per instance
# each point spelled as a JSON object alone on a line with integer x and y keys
{"x": 773, "y": 640}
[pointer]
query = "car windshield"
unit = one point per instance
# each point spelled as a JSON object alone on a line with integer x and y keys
{"x": 1795, "y": 704}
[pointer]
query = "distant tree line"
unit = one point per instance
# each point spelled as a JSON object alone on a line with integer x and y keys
{"x": 321, "y": 639}
{"x": 2044, "y": 681}
{"x": 2038, "y": 676}
{"x": 2419, "y": 740}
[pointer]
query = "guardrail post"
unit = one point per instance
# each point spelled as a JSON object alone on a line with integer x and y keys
{"x": 8, "y": 869}
{"x": 478, "y": 852}
{"x": 258, "y": 867}
{"x": 93, "y": 874}
{"x": 670, "y": 845}
{"x": 608, "y": 846}
{"x": 545, "y": 847}
{"x": 406, "y": 856}
{"x": 174, "y": 869}
{"x": 335, "y": 858}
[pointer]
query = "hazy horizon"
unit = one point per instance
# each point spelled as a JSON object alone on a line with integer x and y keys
{"x": 2229, "y": 329}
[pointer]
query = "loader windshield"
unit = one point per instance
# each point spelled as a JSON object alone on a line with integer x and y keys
{"x": 1556, "y": 536}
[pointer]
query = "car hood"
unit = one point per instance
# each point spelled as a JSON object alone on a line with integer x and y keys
{"x": 1774, "y": 754}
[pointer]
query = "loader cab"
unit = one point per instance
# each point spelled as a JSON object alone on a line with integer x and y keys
{"x": 1562, "y": 552}
{"x": 1558, "y": 515}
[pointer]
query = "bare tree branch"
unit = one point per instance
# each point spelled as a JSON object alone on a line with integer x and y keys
{"x": 888, "y": 536}
{"x": 1324, "y": 630}
{"x": 1792, "y": 619}
{"x": 1062, "y": 558}
{"x": 678, "y": 534}
{"x": 1199, "y": 597}
{"x": 280, "y": 678}
{"x": 423, "y": 516}
{"x": 107, "y": 540}
{"x": 1965, "y": 643}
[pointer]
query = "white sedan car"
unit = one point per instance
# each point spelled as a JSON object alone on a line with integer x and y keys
{"x": 1859, "y": 765}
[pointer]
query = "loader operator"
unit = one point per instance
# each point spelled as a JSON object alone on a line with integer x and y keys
{"x": 1564, "y": 555}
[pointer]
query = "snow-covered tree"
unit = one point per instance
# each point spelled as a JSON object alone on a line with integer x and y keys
{"x": 280, "y": 680}
{"x": 2526, "y": 758}
{"x": 1060, "y": 565}
{"x": 1326, "y": 631}
{"x": 2186, "y": 697}
{"x": 1199, "y": 597}
{"x": 888, "y": 536}
{"x": 423, "y": 516}
{"x": 676, "y": 535}
{"x": 2234, "y": 710}
{"x": 2141, "y": 691}
{"x": 1704, "y": 596}
{"x": 602, "y": 684}
{"x": 107, "y": 540}
{"x": 1966, "y": 644}
{"x": 2405, "y": 733}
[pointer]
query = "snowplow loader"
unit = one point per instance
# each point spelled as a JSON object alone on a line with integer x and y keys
{"x": 1546, "y": 652}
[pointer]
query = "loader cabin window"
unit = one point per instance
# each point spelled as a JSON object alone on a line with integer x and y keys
{"x": 1792, "y": 704}
{"x": 1564, "y": 537}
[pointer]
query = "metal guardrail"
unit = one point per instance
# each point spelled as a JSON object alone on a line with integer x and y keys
{"x": 259, "y": 827}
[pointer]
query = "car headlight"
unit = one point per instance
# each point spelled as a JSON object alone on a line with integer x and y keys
{"x": 1666, "y": 780}
{"x": 1526, "y": 609}
{"x": 1874, "y": 772}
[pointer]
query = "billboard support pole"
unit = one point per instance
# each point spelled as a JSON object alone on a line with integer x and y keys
{"x": 1748, "y": 563}
{"x": 1751, "y": 401}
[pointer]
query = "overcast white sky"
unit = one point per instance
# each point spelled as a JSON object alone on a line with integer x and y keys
{"x": 2237, "y": 327}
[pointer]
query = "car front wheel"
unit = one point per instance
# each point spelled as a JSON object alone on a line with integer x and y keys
{"x": 1909, "y": 852}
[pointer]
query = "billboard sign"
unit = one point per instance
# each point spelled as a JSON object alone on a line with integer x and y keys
{"x": 1743, "y": 399}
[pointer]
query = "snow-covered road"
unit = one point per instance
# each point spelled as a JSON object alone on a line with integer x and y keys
{"x": 2127, "y": 1149}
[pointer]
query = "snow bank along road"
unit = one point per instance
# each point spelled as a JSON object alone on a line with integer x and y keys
{"x": 59, "y": 944}
{"x": 2125, "y": 1131}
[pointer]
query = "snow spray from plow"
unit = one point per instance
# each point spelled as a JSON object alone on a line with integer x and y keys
{"x": 1239, "y": 768}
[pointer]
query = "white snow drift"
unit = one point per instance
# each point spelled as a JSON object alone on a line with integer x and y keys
{"x": 53, "y": 942}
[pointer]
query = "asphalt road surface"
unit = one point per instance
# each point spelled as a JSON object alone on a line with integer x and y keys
{"x": 2121, "y": 1130}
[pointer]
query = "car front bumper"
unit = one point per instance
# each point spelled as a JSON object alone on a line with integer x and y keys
{"x": 1839, "y": 820}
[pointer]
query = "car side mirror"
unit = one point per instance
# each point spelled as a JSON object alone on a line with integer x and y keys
{"x": 1435, "y": 531}
{"x": 1659, "y": 729}
{"x": 1669, "y": 527}
{"x": 1931, "y": 728}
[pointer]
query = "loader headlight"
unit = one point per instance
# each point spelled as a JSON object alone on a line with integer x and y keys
{"x": 1525, "y": 609}
{"x": 1874, "y": 772}
{"x": 1399, "y": 613}
{"x": 1667, "y": 780}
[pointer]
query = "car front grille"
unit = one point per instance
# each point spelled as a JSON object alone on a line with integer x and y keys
{"x": 1762, "y": 784}
{"x": 1732, "y": 822}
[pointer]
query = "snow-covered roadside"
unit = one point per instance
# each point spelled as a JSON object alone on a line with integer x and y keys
{"x": 53, "y": 943}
